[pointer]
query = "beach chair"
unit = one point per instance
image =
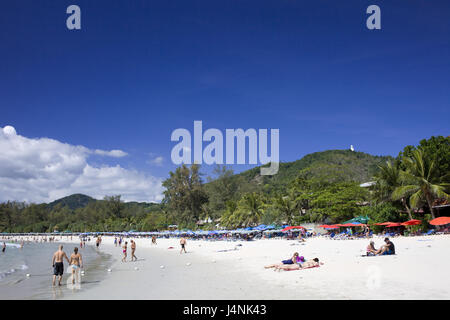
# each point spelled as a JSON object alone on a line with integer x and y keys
{"x": 429, "y": 232}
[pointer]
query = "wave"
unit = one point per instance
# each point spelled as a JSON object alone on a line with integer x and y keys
{"x": 14, "y": 245}
{"x": 4, "y": 274}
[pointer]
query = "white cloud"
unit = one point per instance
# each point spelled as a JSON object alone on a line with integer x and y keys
{"x": 43, "y": 169}
{"x": 112, "y": 153}
{"x": 158, "y": 161}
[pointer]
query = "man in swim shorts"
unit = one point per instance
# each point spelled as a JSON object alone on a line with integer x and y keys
{"x": 57, "y": 263}
{"x": 133, "y": 249}
{"x": 387, "y": 249}
{"x": 183, "y": 245}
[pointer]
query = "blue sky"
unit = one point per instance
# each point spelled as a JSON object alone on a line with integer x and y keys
{"x": 140, "y": 69}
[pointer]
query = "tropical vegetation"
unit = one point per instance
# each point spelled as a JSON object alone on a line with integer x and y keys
{"x": 323, "y": 187}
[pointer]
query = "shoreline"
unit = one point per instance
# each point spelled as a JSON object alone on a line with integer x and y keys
{"x": 34, "y": 281}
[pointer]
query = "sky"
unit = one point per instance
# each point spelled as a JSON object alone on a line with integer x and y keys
{"x": 92, "y": 111}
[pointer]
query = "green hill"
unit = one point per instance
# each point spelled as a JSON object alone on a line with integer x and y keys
{"x": 73, "y": 201}
{"x": 330, "y": 165}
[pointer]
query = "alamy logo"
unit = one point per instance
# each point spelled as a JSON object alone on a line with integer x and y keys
{"x": 213, "y": 153}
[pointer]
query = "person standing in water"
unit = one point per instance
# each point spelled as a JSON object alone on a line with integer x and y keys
{"x": 76, "y": 261}
{"x": 124, "y": 259}
{"x": 183, "y": 245}
{"x": 58, "y": 265}
{"x": 4, "y": 247}
{"x": 133, "y": 249}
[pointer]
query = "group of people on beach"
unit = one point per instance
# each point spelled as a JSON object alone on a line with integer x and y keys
{"x": 75, "y": 261}
{"x": 297, "y": 262}
{"x": 133, "y": 250}
{"x": 387, "y": 249}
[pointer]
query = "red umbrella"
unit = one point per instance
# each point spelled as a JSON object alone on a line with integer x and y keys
{"x": 412, "y": 222}
{"x": 324, "y": 226}
{"x": 333, "y": 226}
{"x": 383, "y": 223}
{"x": 440, "y": 221}
{"x": 396, "y": 224}
{"x": 292, "y": 227}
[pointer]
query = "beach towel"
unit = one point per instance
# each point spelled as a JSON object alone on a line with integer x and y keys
{"x": 302, "y": 268}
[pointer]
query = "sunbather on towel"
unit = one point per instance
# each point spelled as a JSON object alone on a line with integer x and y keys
{"x": 306, "y": 265}
{"x": 295, "y": 259}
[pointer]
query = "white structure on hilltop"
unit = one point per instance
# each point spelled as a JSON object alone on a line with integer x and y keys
{"x": 351, "y": 148}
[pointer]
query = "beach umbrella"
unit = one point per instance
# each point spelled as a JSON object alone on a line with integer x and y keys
{"x": 334, "y": 226}
{"x": 383, "y": 223}
{"x": 292, "y": 227}
{"x": 395, "y": 224}
{"x": 412, "y": 222}
{"x": 440, "y": 221}
{"x": 360, "y": 219}
{"x": 324, "y": 226}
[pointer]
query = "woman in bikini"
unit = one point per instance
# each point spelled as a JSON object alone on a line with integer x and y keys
{"x": 297, "y": 266}
{"x": 75, "y": 262}
{"x": 295, "y": 259}
{"x": 124, "y": 259}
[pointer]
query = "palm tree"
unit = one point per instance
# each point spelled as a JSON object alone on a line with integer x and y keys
{"x": 387, "y": 180}
{"x": 287, "y": 206}
{"x": 250, "y": 209}
{"x": 421, "y": 182}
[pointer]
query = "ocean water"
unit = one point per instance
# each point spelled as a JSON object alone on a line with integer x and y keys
{"x": 35, "y": 259}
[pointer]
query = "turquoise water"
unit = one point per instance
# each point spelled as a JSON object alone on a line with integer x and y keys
{"x": 35, "y": 259}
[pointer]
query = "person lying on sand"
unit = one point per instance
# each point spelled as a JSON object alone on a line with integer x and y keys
{"x": 371, "y": 251}
{"x": 297, "y": 266}
{"x": 295, "y": 259}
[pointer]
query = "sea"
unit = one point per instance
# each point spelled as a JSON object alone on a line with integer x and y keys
{"x": 26, "y": 273}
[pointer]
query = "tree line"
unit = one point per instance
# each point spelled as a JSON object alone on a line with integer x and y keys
{"x": 404, "y": 187}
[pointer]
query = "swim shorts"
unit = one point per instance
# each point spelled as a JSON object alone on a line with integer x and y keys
{"x": 58, "y": 269}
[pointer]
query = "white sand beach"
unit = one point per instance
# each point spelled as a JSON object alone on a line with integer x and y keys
{"x": 419, "y": 270}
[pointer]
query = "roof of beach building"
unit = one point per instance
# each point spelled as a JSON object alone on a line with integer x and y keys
{"x": 367, "y": 184}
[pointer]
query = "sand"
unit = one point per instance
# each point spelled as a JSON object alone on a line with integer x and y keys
{"x": 418, "y": 271}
